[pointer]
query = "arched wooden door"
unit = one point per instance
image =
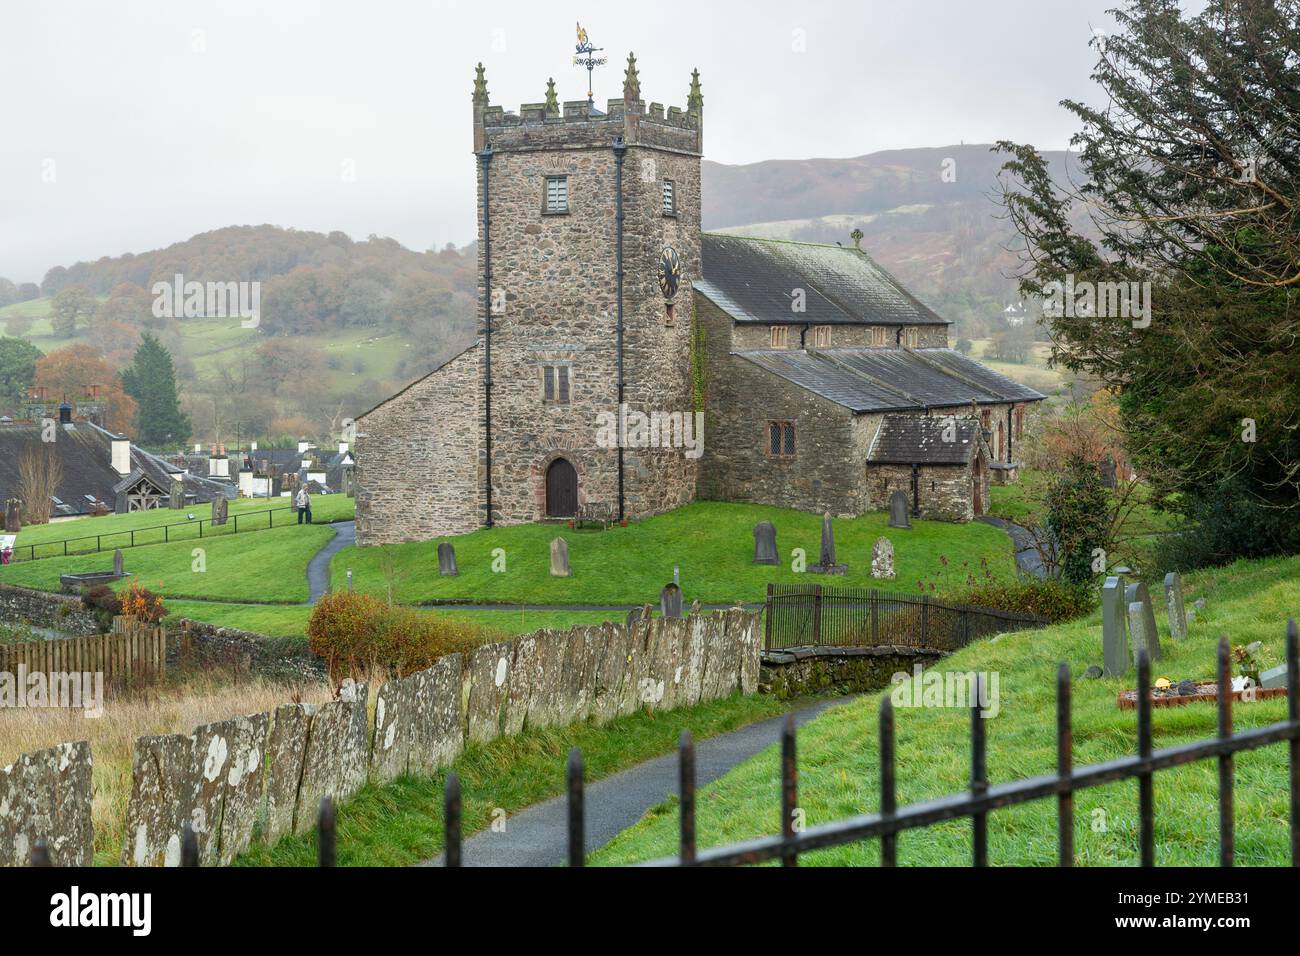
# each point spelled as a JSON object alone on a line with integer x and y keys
{"x": 561, "y": 489}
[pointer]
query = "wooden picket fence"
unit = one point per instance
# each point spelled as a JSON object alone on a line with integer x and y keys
{"x": 132, "y": 654}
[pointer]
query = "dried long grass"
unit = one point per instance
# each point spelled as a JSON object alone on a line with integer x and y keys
{"x": 170, "y": 709}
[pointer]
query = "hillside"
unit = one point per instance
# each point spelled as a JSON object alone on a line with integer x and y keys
{"x": 942, "y": 236}
{"x": 344, "y": 323}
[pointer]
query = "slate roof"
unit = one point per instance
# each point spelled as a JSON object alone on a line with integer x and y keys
{"x": 85, "y": 454}
{"x": 754, "y": 280}
{"x": 916, "y": 440}
{"x": 892, "y": 379}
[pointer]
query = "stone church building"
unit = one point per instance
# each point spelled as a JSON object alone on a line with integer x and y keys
{"x": 610, "y": 325}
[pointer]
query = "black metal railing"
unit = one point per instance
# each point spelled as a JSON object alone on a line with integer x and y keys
{"x": 812, "y": 615}
{"x": 976, "y": 802}
{"x": 127, "y": 538}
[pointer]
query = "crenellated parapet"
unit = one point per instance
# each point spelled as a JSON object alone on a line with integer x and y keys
{"x": 576, "y": 122}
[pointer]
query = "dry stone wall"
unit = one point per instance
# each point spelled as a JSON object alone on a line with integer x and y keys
{"x": 264, "y": 775}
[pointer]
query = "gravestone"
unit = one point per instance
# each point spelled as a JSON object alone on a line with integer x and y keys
{"x": 1114, "y": 627}
{"x": 559, "y": 558}
{"x": 826, "y": 564}
{"x": 447, "y": 560}
{"x": 1174, "y": 606}
{"x": 1137, "y": 592}
{"x": 220, "y": 510}
{"x": 1106, "y": 467}
{"x": 670, "y": 601}
{"x": 882, "y": 558}
{"x": 633, "y": 617}
{"x": 1273, "y": 678}
{"x": 765, "y": 543}
{"x": 178, "y": 495}
{"x": 1139, "y": 620}
{"x": 122, "y": 503}
{"x": 898, "y": 510}
{"x": 13, "y": 515}
{"x": 117, "y": 563}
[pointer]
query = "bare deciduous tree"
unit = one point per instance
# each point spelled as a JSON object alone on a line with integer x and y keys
{"x": 39, "y": 473}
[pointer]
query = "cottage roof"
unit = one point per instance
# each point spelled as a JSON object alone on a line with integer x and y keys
{"x": 754, "y": 280}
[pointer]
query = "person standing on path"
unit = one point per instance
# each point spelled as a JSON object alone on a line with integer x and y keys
{"x": 303, "y": 503}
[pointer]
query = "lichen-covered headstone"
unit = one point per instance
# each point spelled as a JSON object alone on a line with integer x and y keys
{"x": 285, "y": 751}
{"x": 335, "y": 760}
{"x": 1174, "y": 607}
{"x": 1114, "y": 627}
{"x": 178, "y": 495}
{"x": 161, "y": 799}
{"x": 438, "y": 735}
{"x": 220, "y": 510}
{"x": 242, "y": 799}
{"x": 489, "y": 690}
{"x": 47, "y": 795}
{"x": 447, "y": 560}
{"x": 559, "y": 558}
{"x": 882, "y": 559}
{"x": 119, "y": 566}
{"x": 765, "y": 543}
{"x": 1137, "y": 593}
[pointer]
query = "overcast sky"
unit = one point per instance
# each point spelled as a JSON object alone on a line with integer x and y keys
{"x": 132, "y": 124}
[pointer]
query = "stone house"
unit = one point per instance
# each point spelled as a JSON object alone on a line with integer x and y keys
{"x": 612, "y": 330}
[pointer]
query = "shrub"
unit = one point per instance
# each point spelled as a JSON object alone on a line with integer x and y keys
{"x": 355, "y": 633}
{"x": 1055, "y": 600}
{"x": 139, "y": 602}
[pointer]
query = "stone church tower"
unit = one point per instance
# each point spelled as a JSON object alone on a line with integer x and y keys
{"x": 589, "y": 240}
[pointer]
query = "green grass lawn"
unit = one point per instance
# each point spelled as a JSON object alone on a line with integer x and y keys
{"x": 711, "y": 542}
{"x": 401, "y": 823}
{"x": 115, "y": 531}
{"x": 839, "y": 770}
{"x": 257, "y": 566}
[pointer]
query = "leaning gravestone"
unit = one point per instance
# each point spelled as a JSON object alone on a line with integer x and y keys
{"x": 898, "y": 510}
{"x": 118, "y": 569}
{"x": 1174, "y": 606}
{"x": 1137, "y": 593}
{"x": 1139, "y": 622}
{"x": 670, "y": 601}
{"x": 13, "y": 515}
{"x": 559, "y": 558}
{"x": 220, "y": 510}
{"x": 447, "y": 560}
{"x": 178, "y": 495}
{"x": 1273, "y": 678}
{"x": 1114, "y": 627}
{"x": 765, "y": 543}
{"x": 882, "y": 558}
{"x": 826, "y": 563}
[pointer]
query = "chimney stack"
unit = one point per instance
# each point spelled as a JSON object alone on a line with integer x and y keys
{"x": 121, "y": 455}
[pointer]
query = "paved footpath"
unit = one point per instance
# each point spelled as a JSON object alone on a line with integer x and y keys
{"x": 538, "y": 835}
{"x": 1027, "y": 556}
{"x": 318, "y": 570}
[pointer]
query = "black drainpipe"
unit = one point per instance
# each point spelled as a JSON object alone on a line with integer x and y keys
{"x": 620, "y": 151}
{"x": 485, "y": 158}
{"x": 916, "y": 490}
{"x": 1010, "y": 409}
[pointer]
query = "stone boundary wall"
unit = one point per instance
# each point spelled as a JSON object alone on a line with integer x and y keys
{"x": 273, "y": 769}
{"x": 61, "y": 612}
{"x": 212, "y": 645}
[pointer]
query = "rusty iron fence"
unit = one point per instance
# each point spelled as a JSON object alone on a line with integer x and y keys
{"x": 812, "y": 615}
{"x": 975, "y": 803}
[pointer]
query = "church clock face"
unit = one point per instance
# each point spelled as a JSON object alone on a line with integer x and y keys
{"x": 670, "y": 272}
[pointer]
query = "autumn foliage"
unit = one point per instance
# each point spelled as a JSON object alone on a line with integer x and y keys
{"x": 356, "y": 633}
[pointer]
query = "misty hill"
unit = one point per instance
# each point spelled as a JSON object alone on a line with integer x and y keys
{"x": 943, "y": 239}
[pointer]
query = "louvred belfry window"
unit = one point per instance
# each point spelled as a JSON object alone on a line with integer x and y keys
{"x": 555, "y": 384}
{"x": 557, "y": 194}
